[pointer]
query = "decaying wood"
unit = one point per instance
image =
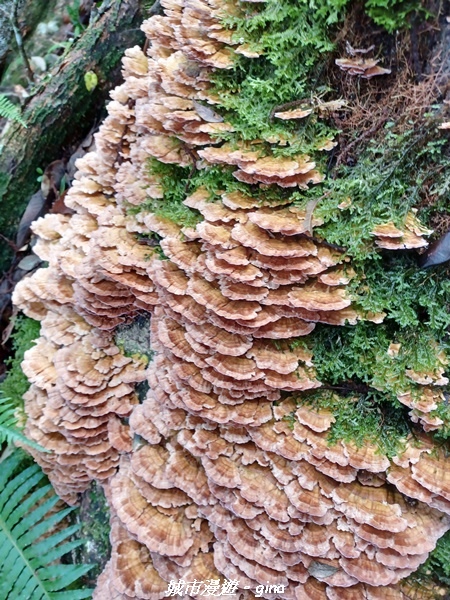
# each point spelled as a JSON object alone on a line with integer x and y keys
{"x": 63, "y": 110}
{"x": 28, "y": 13}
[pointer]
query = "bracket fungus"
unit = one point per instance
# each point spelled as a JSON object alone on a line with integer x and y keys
{"x": 232, "y": 474}
{"x": 366, "y": 68}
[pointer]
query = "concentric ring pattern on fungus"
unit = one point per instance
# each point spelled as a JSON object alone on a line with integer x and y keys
{"x": 229, "y": 476}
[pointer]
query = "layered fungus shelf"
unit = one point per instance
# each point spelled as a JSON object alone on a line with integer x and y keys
{"x": 231, "y": 473}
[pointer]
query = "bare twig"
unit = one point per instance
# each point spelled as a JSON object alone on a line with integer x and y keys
{"x": 12, "y": 16}
{"x": 10, "y": 243}
{"x": 310, "y": 208}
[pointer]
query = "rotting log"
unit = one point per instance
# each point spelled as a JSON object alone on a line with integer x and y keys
{"x": 63, "y": 110}
{"x": 29, "y": 14}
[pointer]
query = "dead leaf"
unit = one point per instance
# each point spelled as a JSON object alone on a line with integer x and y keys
{"x": 59, "y": 206}
{"x": 207, "y": 114}
{"x": 437, "y": 253}
{"x": 52, "y": 177}
{"x": 321, "y": 570}
{"x": 34, "y": 209}
{"x": 9, "y": 328}
{"x": 30, "y": 262}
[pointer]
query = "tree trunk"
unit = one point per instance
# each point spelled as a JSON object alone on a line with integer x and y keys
{"x": 30, "y": 13}
{"x": 63, "y": 110}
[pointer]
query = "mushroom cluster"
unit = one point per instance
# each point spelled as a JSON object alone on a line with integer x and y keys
{"x": 80, "y": 392}
{"x": 409, "y": 235}
{"x": 422, "y": 391}
{"x": 82, "y": 383}
{"x": 366, "y": 68}
{"x": 425, "y": 404}
{"x": 280, "y": 505}
{"x": 231, "y": 475}
{"x": 82, "y": 386}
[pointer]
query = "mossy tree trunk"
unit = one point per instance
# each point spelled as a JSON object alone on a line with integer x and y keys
{"x": 30, "y": 13}
{"x": 63, "y": 110}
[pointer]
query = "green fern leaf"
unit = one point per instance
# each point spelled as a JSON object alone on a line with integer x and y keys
{"x": 9, "y": 111}
{"x": 9, "y": 430}
{"x": 29, "y": 563}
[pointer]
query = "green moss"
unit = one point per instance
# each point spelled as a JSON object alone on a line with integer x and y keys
{"x": 360, "y": 353}
{"x": 408, "y": 295}
{"x": 133, "y": 338}
{"x": 292, "y": 40}
{"x": 361, "y": 380}
{"x": 362, "y": 418}
{"x": 440, "y": 557}
{"x": 436, "y": 570}
{"x": 389, "y": 14}
{"x": 178, "y": 183}
{"x": 370, "y": 419}
{"x": 442, "y": 435}
{"x": 175, "y": 182}
{"x": 392, "y": 14}
{"x": 384, "y": 185}
{"x": 15, "y": 384}
{"x": 93, "y": 519}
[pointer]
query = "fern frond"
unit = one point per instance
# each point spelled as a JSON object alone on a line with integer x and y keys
{"x": 29, "y": 562}
{"x": 9, "y": 111}
{"x": 9, "y": 429}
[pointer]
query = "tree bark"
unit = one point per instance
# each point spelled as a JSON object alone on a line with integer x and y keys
{"x": 62, "y": 111}
{"x": 29, "y": 13}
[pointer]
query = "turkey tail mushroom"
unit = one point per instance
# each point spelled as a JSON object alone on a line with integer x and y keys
{"x": 224, "y": 470}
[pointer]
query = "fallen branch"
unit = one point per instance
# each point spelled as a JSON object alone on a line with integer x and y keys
{"x": 62, "y": 111}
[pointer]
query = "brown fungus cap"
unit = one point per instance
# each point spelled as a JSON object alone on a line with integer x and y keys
{"x": 165, "y": 532}
{"x": 362, "y": 67}
{"x": 227, "y": 476}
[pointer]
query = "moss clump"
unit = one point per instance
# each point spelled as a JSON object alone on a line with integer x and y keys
{"x": 133, "y": 338}
{"x": 15, "y": 384}
{"x": 362, "y": 418}
{"x": 392, "y": 14}
{"x": 292, "y": 39}
{"x": 411, "y": 297}
{"x": 360, "y": 353}
{"x": 353, "y": 361}
{"x": 175, "y": 182}
{"x": 434, "y": 574}
{"x": 93, "y": 520}
{"x": 389, "y": 14}
{"x": 384, "y": 185}
{"x": 179, "y": 182}
{"x": 386, "y": 182}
